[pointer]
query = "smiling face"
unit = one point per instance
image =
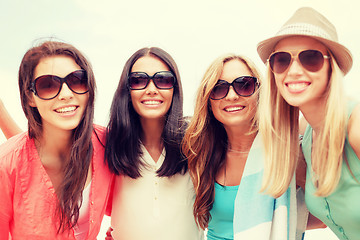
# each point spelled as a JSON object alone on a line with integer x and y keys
{"x": 151, "y": 102}
{"x": 234, "y": 110}
{"x": 298, "y": 86}
{"x": 65, "y": 111}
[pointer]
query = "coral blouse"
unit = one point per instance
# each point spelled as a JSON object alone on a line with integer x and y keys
{"x": 28, "y": 200}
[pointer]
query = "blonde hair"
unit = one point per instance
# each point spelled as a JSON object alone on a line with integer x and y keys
{"x": 279, "y": 127}
{"x": 205, "y": 140}
{"x": 328, "y": 153}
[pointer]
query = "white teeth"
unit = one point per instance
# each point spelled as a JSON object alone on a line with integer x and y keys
{"x": 297, "y": 86}
{"x": 232, "y": 109}
{"x": 65, "y": 109}
{"x": 151, "y": 102}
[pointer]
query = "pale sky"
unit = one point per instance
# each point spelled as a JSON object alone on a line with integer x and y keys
{"x": 194, "y": 32}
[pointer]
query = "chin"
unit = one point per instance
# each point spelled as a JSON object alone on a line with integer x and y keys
{"x": 69, "y": 126}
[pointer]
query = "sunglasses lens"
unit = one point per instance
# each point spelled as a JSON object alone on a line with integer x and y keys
{"x": 220, "y": 90}
{"x": 47, "y": 86}
{"x": 138, "y": 81}
{"x": 77, "y": 82}
{"x": 280, "y": 61}
{"x": 245, "y": 86}
{"x": 311, "y": 60}
{"x": 164, "y": 80}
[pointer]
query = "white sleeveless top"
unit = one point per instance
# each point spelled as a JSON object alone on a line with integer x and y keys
{"x": 152, "y": 207}
{"x": 82, "y": 227}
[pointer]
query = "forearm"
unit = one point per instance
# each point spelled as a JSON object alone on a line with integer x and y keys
{"x": 314, "y": 223}
{"x": 7, "y": 124}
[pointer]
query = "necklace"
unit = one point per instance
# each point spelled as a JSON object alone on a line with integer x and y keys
{"x": 236, "y": 151}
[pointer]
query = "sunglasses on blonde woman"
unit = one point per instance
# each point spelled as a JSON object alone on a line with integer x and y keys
{"x": 243, "y": 86}
{"x": 47, "y": 87}
{"x": 161, "y": 80}
{"x": 311, "y": 60}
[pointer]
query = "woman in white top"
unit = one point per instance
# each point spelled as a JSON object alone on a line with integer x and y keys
{"x": 153, "y": 194}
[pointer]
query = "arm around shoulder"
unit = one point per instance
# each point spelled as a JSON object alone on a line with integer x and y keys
{"x": 7, "y": 124}
{"x": 354, "y": 130}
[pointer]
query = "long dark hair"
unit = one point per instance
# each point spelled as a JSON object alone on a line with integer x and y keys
{"x": 123, "y": 143}
{"x": 75, "y": 168}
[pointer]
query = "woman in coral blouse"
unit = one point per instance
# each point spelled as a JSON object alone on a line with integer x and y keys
{"x": 53, "y": 179}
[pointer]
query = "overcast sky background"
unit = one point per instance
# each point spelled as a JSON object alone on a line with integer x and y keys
{"x": 194, "y": 32}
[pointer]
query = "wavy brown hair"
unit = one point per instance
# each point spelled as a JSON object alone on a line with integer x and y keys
{"x": 75, "y": 168}
{"x": 205, "y": 141}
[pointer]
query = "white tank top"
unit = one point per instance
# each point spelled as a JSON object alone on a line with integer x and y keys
{"x": 82, "y": 227}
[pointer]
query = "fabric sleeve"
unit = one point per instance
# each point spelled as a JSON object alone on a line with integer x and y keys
{"x": 110, "y": 199}
{"x": 6, "y": 199}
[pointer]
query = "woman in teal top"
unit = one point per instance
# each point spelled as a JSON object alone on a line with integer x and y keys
{"x": 306, "y": 65}
{"x": 222, "y": 213}
{"x": 225, "y": 158}
{"x": 340, "y": 210}
{"x": 219, "y": 138}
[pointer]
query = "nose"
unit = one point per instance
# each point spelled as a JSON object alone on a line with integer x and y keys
{"x": 151, "y": 88}
{"x": 232, "y": 95}
{"x": 65, "y": 92}
{"x": 295, "y": 68}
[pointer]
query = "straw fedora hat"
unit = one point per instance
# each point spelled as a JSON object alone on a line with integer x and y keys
{"x": 308, "y": 22}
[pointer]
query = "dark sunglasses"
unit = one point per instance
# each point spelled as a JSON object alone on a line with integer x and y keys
{"x": 243, "y": 86}
{"x": 311, "y": 60}
{"x": 161, "y": 80}
{"x": 48, "y": 87}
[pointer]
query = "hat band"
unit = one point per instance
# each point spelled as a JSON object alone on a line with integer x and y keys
{"x": 307, "y": 30}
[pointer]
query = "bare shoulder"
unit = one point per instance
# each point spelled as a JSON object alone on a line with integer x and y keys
{"x": 354, "y": 130}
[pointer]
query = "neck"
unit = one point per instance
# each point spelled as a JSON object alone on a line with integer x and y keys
{"x": 239, "y": 145}
{"x": 315, "y": 114}
{"x": 54, "y": 147}
{"x": 240, "y": 141}
{"x": 152, "y": 130}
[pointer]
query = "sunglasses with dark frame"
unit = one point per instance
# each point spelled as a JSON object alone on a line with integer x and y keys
{"x": 161, "y": 80}
{"x": 47, "y": 87}
{"x": 311, "y": 60}
{"x": 243, "y": 86}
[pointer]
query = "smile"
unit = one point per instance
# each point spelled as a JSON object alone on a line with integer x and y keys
{"x": 298, "y": 86}
{"x": 151, "y": 102}
{"x": 66, "y": 109}
{"x": 234, "y": 109}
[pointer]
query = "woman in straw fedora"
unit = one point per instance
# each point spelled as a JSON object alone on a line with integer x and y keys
{"x": 306, "y": 65}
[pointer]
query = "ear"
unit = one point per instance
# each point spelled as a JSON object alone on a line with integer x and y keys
{"x": 31, "y": 101}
